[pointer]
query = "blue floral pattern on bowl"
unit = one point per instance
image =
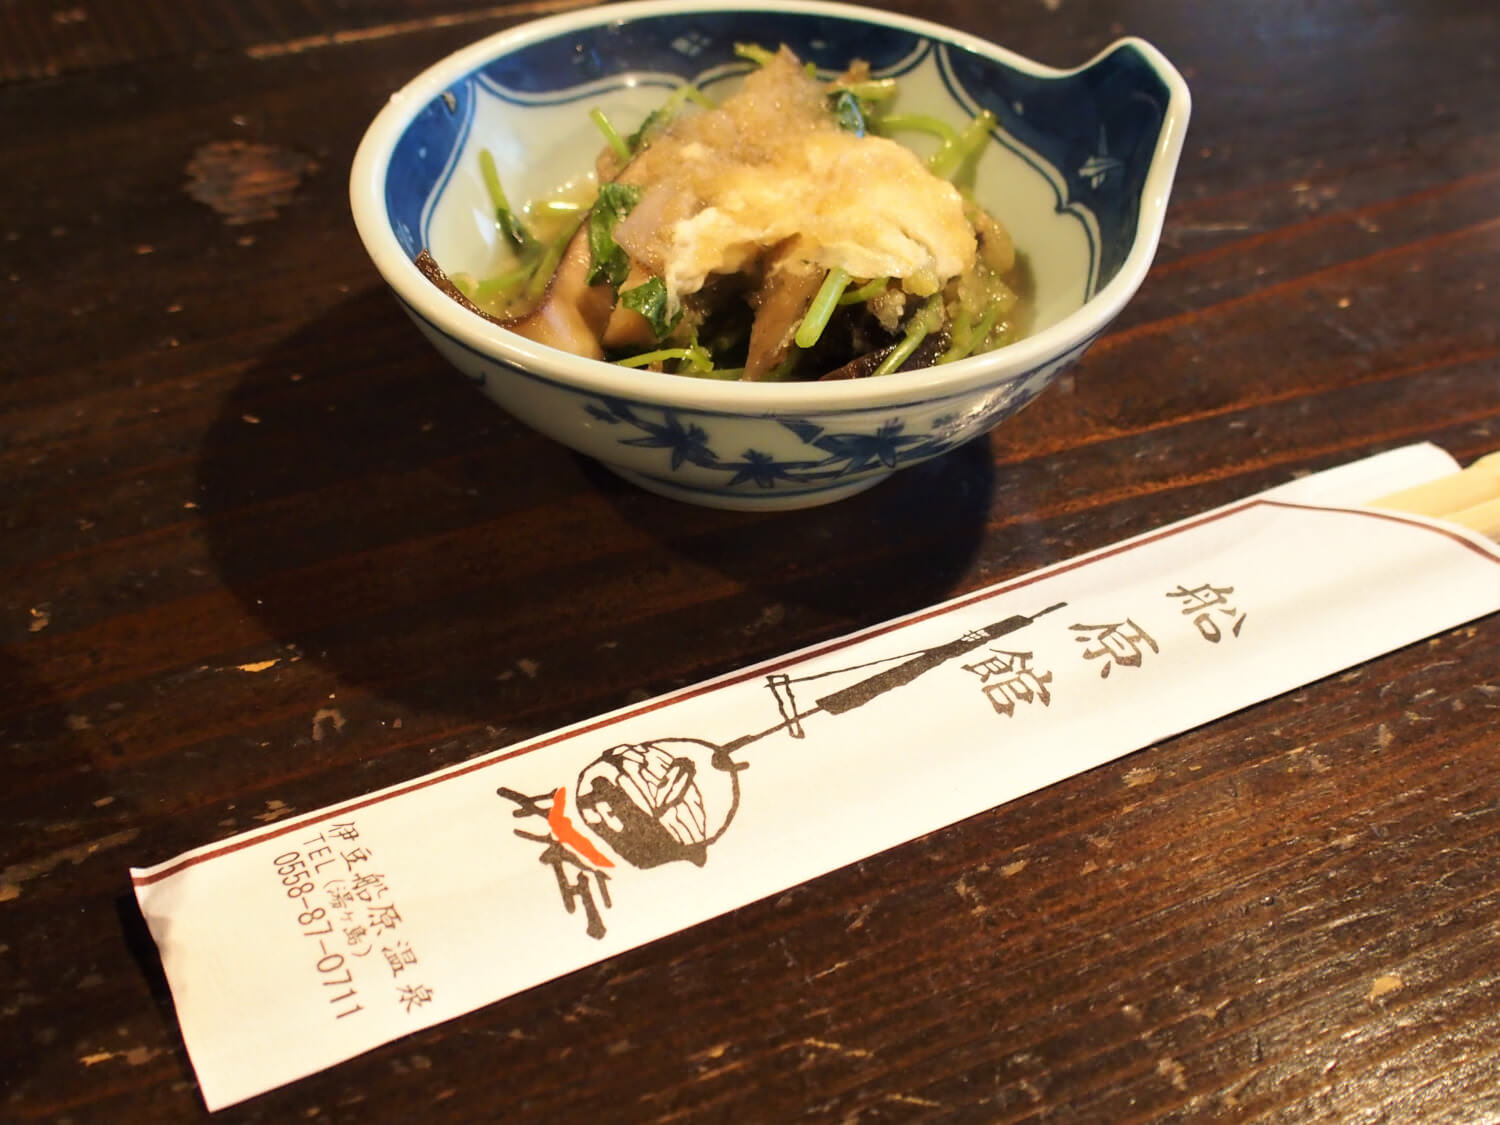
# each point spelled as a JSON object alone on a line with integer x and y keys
{"x": 831, "y": 456}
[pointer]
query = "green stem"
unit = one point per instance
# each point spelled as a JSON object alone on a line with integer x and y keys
{"x": 546, "y": 265}
{"x": 508, "y": 282}
{"x": 754, "y": 52}
{"x": 726, "y": 374}
{"x": 695, "y": 359}
{"x": 492, "y": 184}
{"x": 983, "y": 329}
{"x": 865, "y": 292}
{"x": 921, "y": 326}
{"x": 871, "y": 90}
{"x": 947, "y": 161}
{"x": 646, "y": 359}
{"x": 611, "y": 135}
{"x": 963, "y": 337}
{"x": 970, "y": 340}
{"x": 827, "y": 299}
{"x": 917, "y": 123}
{"x": 508, "y": 221}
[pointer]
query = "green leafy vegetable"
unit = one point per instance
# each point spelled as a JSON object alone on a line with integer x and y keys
{"x": 664, "y": 114}
{"x": 610, "y": 262}
{"x": 649, "y": 298}
{"x": 972, "y": 313}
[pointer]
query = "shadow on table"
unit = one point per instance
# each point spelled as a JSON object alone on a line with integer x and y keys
{"x": 376, "y": 514}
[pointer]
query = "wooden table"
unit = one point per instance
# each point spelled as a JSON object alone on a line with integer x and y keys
{"x": 262, "y": 551}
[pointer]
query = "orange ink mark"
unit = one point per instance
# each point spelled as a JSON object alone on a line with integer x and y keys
{"x": 566, "y": 833}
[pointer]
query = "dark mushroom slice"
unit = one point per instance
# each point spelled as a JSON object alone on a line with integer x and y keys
{"x": 572, "y": 314}
{"x": 927, "y": 353}
{"x": 433, "y": 272}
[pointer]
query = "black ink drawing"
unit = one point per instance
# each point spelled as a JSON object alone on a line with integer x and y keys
{"x": 670, "y": 799}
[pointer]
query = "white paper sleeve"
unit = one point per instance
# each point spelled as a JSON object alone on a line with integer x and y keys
{"x": 306, "y": 942}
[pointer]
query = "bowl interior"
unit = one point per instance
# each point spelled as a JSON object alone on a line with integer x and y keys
{"x": 1066, "y": 175}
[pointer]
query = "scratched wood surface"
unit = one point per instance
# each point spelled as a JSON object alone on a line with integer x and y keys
{"x": 261, "y": 551}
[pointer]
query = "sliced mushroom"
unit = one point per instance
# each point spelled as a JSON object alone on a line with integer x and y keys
{"x": 625, "y": 327}
{"x": 860, "y": 367}
{"x": 789, "y": 286}
{"x": 572, "y": 314}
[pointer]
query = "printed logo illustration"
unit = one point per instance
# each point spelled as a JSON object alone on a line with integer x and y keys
{"x": 669, "y": 800}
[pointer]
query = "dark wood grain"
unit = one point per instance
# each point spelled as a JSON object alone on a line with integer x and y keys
{"x": 221, "y": 450}
{"x": 49, "y": 38}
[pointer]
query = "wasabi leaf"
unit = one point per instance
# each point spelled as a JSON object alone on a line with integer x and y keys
{"x": 649, "y": 298}
{"x": 610, "y": 262}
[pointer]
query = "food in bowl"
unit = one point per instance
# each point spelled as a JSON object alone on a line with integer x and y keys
{"x": 780, "y": 234}
{"x": 1079, "y": 164}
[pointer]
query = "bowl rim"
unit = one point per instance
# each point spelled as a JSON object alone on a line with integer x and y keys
{"x": 489, "y": 340}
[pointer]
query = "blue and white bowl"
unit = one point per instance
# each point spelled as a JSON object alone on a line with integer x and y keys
{"x": 1080, "y": 174}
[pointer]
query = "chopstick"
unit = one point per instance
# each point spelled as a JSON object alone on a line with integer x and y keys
{"x": 1470, "y": 497}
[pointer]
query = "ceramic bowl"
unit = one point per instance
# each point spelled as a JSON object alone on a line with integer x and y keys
{"x": 1080, "y": 171}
